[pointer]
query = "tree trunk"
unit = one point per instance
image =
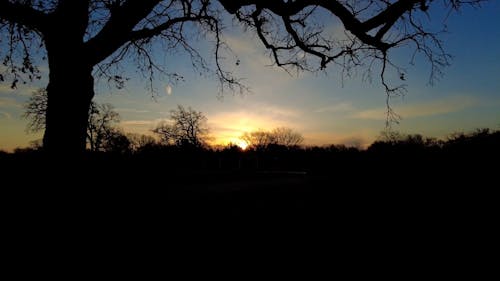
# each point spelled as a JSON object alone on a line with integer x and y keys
{"x": 71, "y": 85}
{"x": 70, "y": 92}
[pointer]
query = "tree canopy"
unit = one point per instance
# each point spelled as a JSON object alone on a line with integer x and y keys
{"x": 280, "y": 136}
{"x": 84, "y": 39}
{"x": 186, "y": 127}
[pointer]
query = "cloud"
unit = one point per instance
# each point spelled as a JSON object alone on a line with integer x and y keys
{"x": 355, "y": 141}
{"x": 5, "y": 115}
{"x": 278, "y": 112}
{"x": 227, "y": 126}
{"x": 145, "y": 123}
{"x": 241, "y": 45}
{"x": 4, "y": 88}
{"x": 9, "y": 102}
{"x": 23, "y": 90}
{"x": 254, "y": 63}
{"x": 139, "y": 123}
{"x": 336, "y": 108}
{"x": 253, "y": 56}
{"x": 139, "y": 126}
{"x": 337, "y": 31}
{"x": 431, "y": 108}
{"x": 132, "y": 110}
{"x": 359, "y": 138}
{"x": 372, "y": 114}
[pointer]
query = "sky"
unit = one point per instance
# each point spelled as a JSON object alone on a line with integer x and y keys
{"x": 324, "y": 108}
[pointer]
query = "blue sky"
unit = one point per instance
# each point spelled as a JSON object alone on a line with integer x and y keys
{"x": 322, "y": 107}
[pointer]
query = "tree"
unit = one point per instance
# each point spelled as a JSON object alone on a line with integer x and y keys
{"x": 299, "y": 40}
{"x": 116, "y": 142}
{"x": 287, "y": 137}
{"x": 186, "y": 127}
{"x": 258, "y": 139}
{"x": 35, "y": 110}
{"x": 101, "y": 126}
{"x": 281, "y": 136}
{"x": 139, "y": 141}
{"x": 85, "y": 38}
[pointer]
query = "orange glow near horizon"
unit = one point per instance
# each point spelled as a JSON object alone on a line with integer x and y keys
{"x": 228, "y": 127}
{"x": 241, "y": 143}
{"x": 226, "y": 141}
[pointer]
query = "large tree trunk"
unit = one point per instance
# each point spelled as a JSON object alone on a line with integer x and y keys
{"x": 70, "y": 92}
{"x": 71, "y": 85}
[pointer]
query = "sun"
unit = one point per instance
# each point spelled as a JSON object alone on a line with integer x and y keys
{"x": 240, "y": 143}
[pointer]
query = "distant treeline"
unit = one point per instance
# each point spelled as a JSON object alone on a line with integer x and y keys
{"x": 391, "y": 148}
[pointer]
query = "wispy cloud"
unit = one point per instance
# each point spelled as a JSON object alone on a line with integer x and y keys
{"x": 132, "y": 110}
{"x": 139, "y": 122}
{"x": 336, "y": 108}
{"x": 278, "y": 112}
{"x": 356, "y": 138}
{"x": 9, "y": 102}
{"x": 241, "y": 45}
{"x": 5, "y": 115}
{"x": 227, "y": 126}
{"x": 23, "y": 90}
{"x": 4, "y": 88}
{"x": 337, "y": 31}
{"x": 139, "y": 126}
{"x": 253, "y": 58}
{"x": 431, "y": 108}
{"x": 237, "y": 122}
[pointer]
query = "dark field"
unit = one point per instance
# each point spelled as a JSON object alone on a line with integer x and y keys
{"x": 407, "y": 193}
{"x": 410, "y": 183}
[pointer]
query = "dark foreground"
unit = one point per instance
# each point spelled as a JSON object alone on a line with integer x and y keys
{"x": 438, "y": 191}
{"x": 437, "y": 215}
{"x": 413, "y": 213}
{"x": 408, "y": 182}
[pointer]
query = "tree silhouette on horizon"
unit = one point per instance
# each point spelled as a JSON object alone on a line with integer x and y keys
{"x": 186, "y": 128}
{"x": 281, "y": 136}
{"x": 83, "y": 39}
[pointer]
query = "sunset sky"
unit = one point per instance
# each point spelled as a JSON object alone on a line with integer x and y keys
{"x": 319, "y": 106}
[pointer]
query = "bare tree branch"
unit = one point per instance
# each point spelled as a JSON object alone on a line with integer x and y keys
{"x": 116, "y": 32}
{"x": 372, "y": 29}
{"x": 23, "y": 14}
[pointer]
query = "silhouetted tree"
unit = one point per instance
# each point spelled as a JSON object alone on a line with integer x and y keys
{"x": 479, "y": 141}
{"x": 287, "y": 137}
{"x": 297, "y": 39}
{"x": 88, "y": 37}
{"x": 394, "y": 141}
{"x": 101, "y": 126}
{"x": 85, "y": 38}
{"x": 281, "y": 136}
{"x": 186, "y": 127}
{"x": 35, "y": 111}
{"x": 36, "y": 144}
{"x": 139, "y": 141}
{"x": 116, "y": 141}
{"x": 390, "y": 136}
{"x": 258, "y": 139}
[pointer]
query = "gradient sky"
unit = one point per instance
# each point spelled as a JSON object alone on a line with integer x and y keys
{"x": 320, "y": 106}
